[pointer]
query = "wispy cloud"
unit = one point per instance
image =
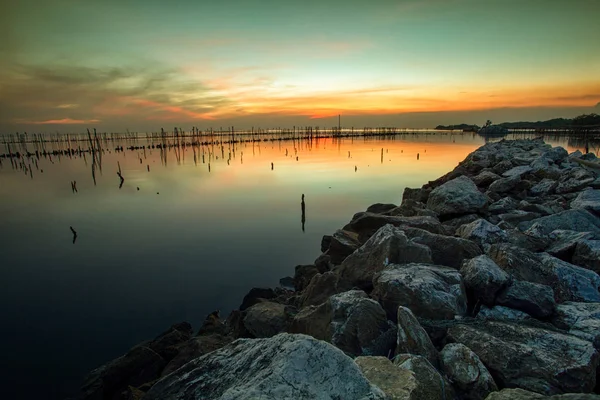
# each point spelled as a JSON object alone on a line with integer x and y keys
{"x": 64, "y": 121}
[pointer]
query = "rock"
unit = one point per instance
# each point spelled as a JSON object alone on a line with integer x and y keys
{"x": 517, "y": 216}
{"x": 556, "y": 154}
{"x": 531, "y": 358}
{"x": 458, "y": 196}
{"x": 466, "y": 371}
{"x": 255, "y": 295}
{"x": 485, "y": 178}
{"x": 580, "y": 319}
{"x": 195, "y": 348}
{"x": 412, "y": 338}
{"x": 445, "y": 250}
{"x": 419, "y": 195}
{"x": 484, "y": 278}
{"x": 587, "y": 255}
{"x": 569, "y": 282}
{"x": 482, "y": 232}
{"x": 303, "y": 275}
{"x": 429, "y": 383}
{"x": 587, "y": 200}
{"x": 502, "y": 166}
{"x": 503, "y": 205}
{"x": 575, "y": 180}
{"x": 285, "y": 366}
{"x": 325, "y": 243}
{"x": 314, "y": 321}
{"x": 520, "y": 394}
{"x": 505, "y": 184}
{"x": 287, "y": 282}
{"x": 343, "y": 243}
{"x": 396, "y": 383}
{"x": 543, "y": 187}
{"x": 500, "y": 313}
{"x": 411, "y": 208}
{"x": 265, "y": 319}
{"x": 572, "y": 220}
{"x": 535, "y": 208}
{"x": 389, "y": 245}
{"x": 323, "y": 263}
{"x": 532, "y": 298}
{"x": 320, "y": 287}
{"x": 517, "y": 171}
{"x": 366, "y": 224}
{"x": 527, "y": 242}
{"x": 380, "y": 208}
{"x": 564, "y": 243}
{"x": 429, "y": 291}
{"x": 453, "y": 224}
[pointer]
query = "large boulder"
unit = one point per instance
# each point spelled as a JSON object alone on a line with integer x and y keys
{"x": 366, "y": 224}
{"x": 466, "y": 371}
{"x": 563, "y": 243}
{"x": 266, "y": 319}
{"x": 320, "y": 287}
{"x": 532, "y": 298}
{"x": 458, "y": 196}
{"x": 574, "y": 180}
{"x": 587, "y": 255}
{"x": 303, "y": 275}
{"x": 587, "y": 200}
{"x": 285, "y": 366}
{"x": 543, "y": 187}
{"x": 503, "y": 205}
{"x": 342, "y": 244}
{"x": 484, "y": 278}
{"x": 256, "y": 295}
{"x": 430, "y": 384}
{"x": 572, "y": 220}
{"x": 531, "y": 358}
{"x": 485, "y": 178}
{"x": 505, "y": 184}
{"x": 412, "y": 338}
{"x": 429, "y": 291}
{"x": 569, "y": 282}
{"x": 482, "y": 232}
{"x": 445, "y": 250}
{"x": 389, "y": 245}
{"x": 580, "y": 319}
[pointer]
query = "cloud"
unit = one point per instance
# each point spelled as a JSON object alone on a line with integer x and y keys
{"x": 64, "y": 121}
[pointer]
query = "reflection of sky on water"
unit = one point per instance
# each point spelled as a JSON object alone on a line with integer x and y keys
{"x": 143, "y": 260}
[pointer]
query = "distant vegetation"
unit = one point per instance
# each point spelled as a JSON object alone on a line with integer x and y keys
{"x": 464, "y": 127}
{"x": 589, "y": 120}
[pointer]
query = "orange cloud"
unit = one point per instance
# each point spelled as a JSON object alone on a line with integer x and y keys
{"x": 64, "y": 121}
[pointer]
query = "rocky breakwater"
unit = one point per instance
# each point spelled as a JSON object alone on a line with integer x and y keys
{"x": 482, "y": 284}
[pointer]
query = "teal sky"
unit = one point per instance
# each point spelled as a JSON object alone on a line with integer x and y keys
{"x": 71, "y": 64}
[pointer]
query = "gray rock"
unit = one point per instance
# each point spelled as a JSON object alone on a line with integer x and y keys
{"x": 569, "y": 282}
{"x": 320, "y": 287}
{"x": 587, "y": 255}
{"x": 587, "y": 200}
{"x": 563, "y": 243}
{"x": 520, "y": 394}
{"x": 389, "y": 245}
{"x": 485, "y": 178}
{"x": 503, "y": 205}
{"x": 256, "y": 295}
{"x": 285, "y": 366}
{"x": 517, "y": 216}
{"x": 502, "y": 166}
{"x": 500, "y": 313}
{"x": 411, "y": 208}
{"x": 429, "y": 291}
{"x": 517, "y": 171}
{"x": 505, "y": 184}
{"x": 366, "y": 224}
{"x": 302, "y": 276}
{"x": 535, "y": 208}
{"x": 580, "y": 319}
{"x": 412, "y": 338}
{"x": 543, "y": 187}
{"x": 380, "y": 208}
{"x": 532, "y": 298}
{"x": 466, "y": 371}
{"x": 453, "y": 224}
{"x": 194, "y": 348}
{"x": 482, "y": 232}
{"x": 458, "y": 196}
{"x": 575, "y": 180}
{"x": 430, "y": 384}
{"x": 343, "y": 243}
{"x": 265, "y": 319}
{"x": 484, "y": 278}
{"x": 531, "y": 358}
{"x": 572, "y": 220}
{"x": 445, "y": 250}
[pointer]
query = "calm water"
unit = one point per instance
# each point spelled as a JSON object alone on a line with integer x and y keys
{"x": 188, "y": 242}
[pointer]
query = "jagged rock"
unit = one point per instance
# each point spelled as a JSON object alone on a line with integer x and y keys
{"x": 285, "y": 366}
{"x": 256, "y": 295}
{"x": 396, "y": 383}
{"x": 580, "y": 319}
{"x": 531, "y": 243}
{"x": 485, "y": 178}
{"x": 517, "y": 171}
{"x": 564, "y": 243}
{"x": 569, "y": 282}
{"x": 502, "y": 167}
{"x": 265, "y": 319}
{"x": 412, "y": 338}
{"x": 411, "y": 208}
{"x": 540, "y": 209}
{"x": 500, "y": 313}
{"x": 575, "y": 180}
{"x": 572, "y": 220}
{"x": 366, "y": 224}
{"x": 531, "y": 358}
{"x": 466, "y": 371}
{"x": 429, "y": 383}
{"x": 389, "y": 245}
{"x": 429, "y": 291}
{"x": 543, "y": 187}
{"x": 303, "y": 275}
{"x": 314, "y": 321}
{"x": 343, "y": 243}
{"x": 453, "y": 224}
{"x": 587, "y": 200}
{"x": 503, "y": 205}
{"x": 505, "y": 184}
{"x": 323, "y": 263}
{"x": 195, "y": 348}
{"x": 419, "y": 195}
{"x": 320, "y": 287}
{"x": 587, "y": 255}
{"x": 534, "y": 299}
{"x": 484, "y": 278}
{"x": 445, "y": 250}
{"x": 520, "y": 394}
{"x": 517, "y": 216}
{"x": 379, "y": 208}
{"x": 458, "y": 196}
{"x": 482, "y": 232}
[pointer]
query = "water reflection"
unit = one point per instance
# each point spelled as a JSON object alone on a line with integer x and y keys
{"x": 303, "y": 207}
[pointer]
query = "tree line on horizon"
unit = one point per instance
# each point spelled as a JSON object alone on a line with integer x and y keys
{"x": 584, "y": 120}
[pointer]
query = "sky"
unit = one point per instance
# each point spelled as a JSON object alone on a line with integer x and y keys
{"x": 143, "y": 65}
